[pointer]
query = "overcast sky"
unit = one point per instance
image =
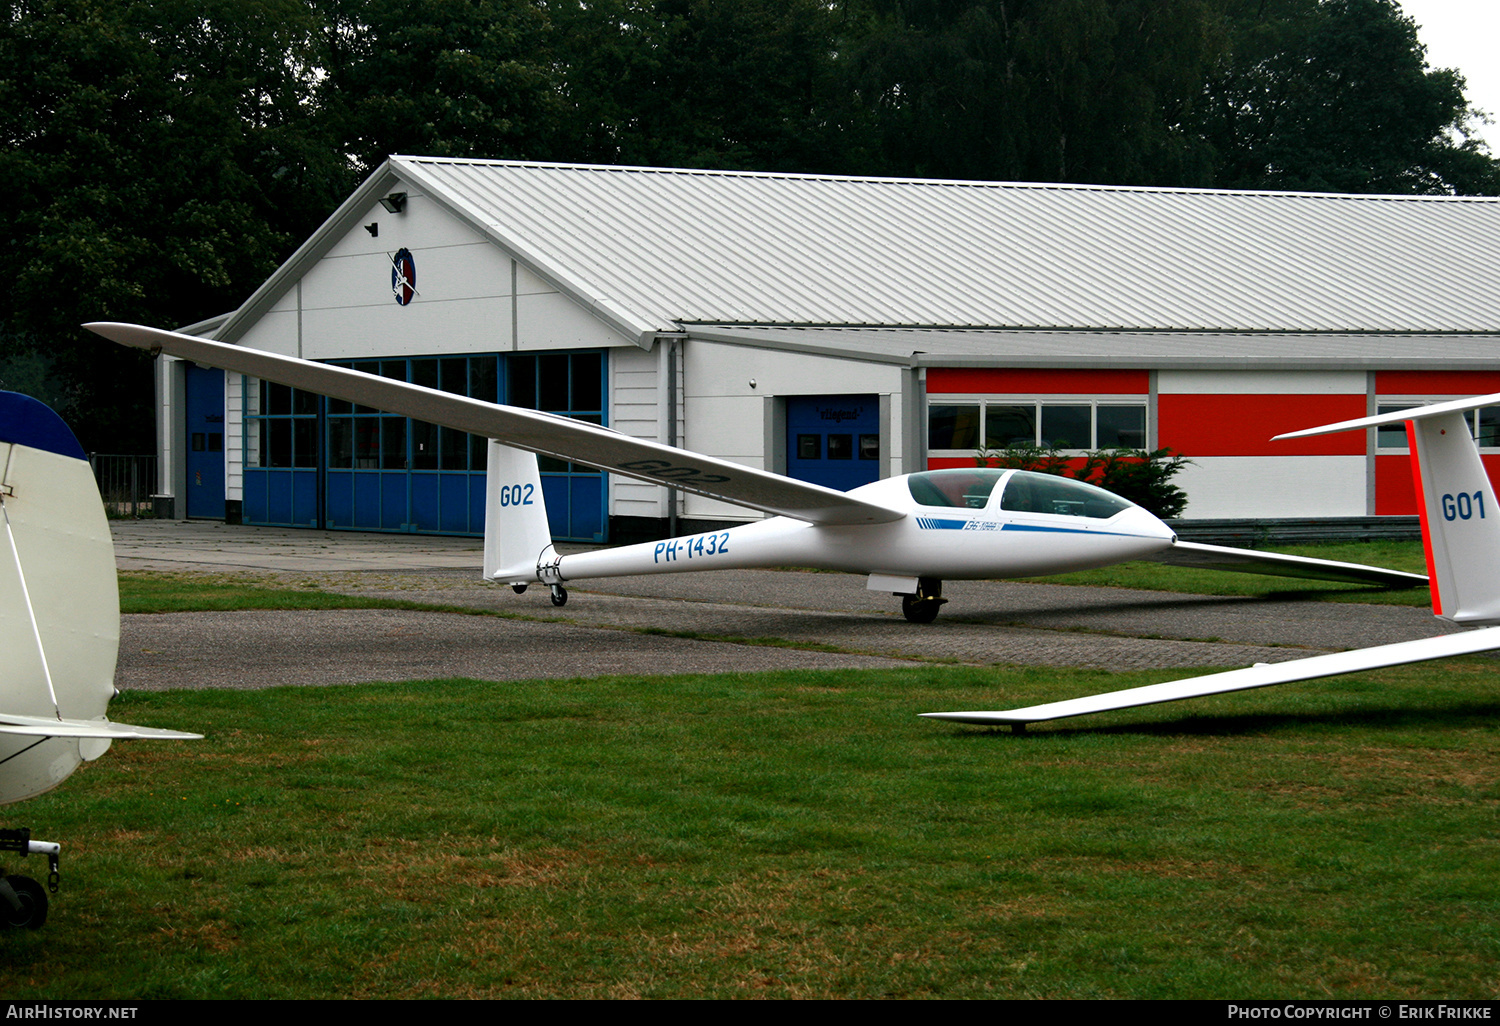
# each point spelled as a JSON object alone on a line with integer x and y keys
{"x": 1462, "y": 34}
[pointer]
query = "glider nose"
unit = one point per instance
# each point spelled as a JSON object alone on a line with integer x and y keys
{"x": 1153, "y": 532}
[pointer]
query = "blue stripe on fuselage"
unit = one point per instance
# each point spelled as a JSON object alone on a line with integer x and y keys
{"x": 940, "y": 524}
{"x": 935, "y": 524}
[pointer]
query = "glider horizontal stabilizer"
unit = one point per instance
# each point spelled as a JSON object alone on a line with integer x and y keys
{"x": 1397, "y": 417}
{"x": 1260, "y": 675}
{"x": 542, "y": 433}
{"x": 1277, "y": 564}
{"x": 42, "y": 726}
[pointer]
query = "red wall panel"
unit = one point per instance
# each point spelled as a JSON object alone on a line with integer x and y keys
{"x": 1396, "y": 496}
{"x": 1243, "y": 425}
{"x": 1435, "y": 383}
{"x": 1033, "y": 381}
{"x": 1394, "y": 493}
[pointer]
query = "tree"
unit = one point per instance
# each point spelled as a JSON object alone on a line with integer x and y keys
{"x": 158, "y": 162}
{"x": 742, "y": 84}
{"x": 443, "y": 78}
{"x": 1142, "y": 477}
{"x": 1336, "y": 96}
{"x": 1038, "y": 90}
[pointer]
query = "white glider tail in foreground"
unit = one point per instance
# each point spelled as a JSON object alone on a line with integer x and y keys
{"x": 59, "y": 627}
{"x": 1461, "y": 536}
{"x": 908, "y": 534}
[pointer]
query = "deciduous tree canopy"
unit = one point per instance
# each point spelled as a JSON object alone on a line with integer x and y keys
{"x": 162, "y": 157}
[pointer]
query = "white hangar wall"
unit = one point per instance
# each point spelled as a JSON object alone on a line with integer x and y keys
{"x": 473, "y": 297}
{"x": 673, "y": 281}
{"x": 725, "y": 415}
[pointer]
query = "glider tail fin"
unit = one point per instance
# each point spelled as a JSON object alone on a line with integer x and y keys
{"x": 517, "y": 539}
{"x": 1460, "y": 518}
{"x": 1456, "y": 502}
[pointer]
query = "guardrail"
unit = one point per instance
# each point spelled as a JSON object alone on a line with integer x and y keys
{"x": 126, "y": 484}
{"x": 1250, "y": 533}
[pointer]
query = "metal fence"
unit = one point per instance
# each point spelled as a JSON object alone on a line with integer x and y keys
{"x": 126, "y": 484}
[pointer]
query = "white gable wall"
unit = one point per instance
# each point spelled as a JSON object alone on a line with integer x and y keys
{"x": 471, "y": 297}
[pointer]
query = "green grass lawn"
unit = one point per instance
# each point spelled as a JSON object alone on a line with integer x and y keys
{"x": 149, "y": 592}
{"x": 781, "y": 835}
{"x": 775, "y": 835}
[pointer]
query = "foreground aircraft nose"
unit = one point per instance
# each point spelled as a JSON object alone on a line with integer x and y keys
{"x": 1153, "y": 532}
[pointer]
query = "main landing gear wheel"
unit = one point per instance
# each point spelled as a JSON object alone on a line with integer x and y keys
{"x": 559, "y": 595}
{"x": 920, "y": 610}
{"x": 519, "y": 589}
{"x": 924, "y": 605}
{"x": 29, "y": 909}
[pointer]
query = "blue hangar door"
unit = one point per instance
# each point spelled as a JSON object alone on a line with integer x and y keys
{"x": 833, "y": 440}
{"x": 205, "y": 431}
{"x": 331, "y": 463}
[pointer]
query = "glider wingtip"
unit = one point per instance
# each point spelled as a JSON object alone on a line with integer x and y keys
{"x": 991, "y": 718}
{"x": 121, "y": 332}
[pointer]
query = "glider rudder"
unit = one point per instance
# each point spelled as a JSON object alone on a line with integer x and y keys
{"x": 517, "y": 538}
{"x": 1460, "y": 519}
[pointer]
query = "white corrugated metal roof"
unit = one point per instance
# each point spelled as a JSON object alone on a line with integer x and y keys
{"x": 938, "y": 347}
{"x": 654, "y": 249}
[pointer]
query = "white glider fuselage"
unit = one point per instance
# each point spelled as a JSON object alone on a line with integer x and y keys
{"x": 944, "y": 542}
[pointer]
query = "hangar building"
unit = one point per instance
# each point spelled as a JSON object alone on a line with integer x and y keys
{"x": 840, "y": 330}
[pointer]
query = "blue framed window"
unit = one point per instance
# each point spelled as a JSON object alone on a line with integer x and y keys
{"x": 570, "y": 385}
{"x": 281, "y": 455}
{"x": 311, "y": 461}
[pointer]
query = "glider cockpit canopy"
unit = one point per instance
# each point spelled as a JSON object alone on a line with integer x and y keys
{"x": 1021, "y": 491}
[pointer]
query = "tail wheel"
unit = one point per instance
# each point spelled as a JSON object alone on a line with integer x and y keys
{"x": 32, "y": 899}
{"x": 559, "y": 595}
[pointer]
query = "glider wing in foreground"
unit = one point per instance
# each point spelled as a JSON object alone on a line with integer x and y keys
{"x": 1461, "y": 536}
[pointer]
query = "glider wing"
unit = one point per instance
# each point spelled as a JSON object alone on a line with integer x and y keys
{"x": 1260, "y": 675}
{"x": 1461, "y": 534}
{"x": 535, "y": 432}
{"x": 1249, "y": 561}
{"x": 42, "y": 726}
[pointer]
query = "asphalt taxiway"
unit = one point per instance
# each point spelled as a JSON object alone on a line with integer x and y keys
{"x": 737, "y": 620}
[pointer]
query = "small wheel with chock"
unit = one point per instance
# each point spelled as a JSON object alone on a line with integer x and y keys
{"x": 559, "y": 595}
{"x": 23, "y": 903}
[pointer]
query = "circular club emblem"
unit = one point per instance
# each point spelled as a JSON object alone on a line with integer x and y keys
{"x": 403, "y": 276}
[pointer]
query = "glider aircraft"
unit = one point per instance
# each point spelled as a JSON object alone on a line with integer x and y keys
{"x": 59, "y": 629}
{"x": 1460, "y": 535}
{"x": 907, "y": 534}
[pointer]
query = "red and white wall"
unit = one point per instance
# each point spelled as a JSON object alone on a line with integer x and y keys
{"x": 1224, "y": 420}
